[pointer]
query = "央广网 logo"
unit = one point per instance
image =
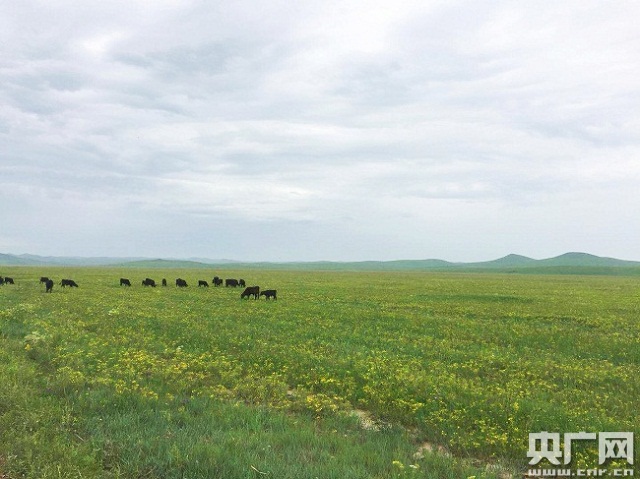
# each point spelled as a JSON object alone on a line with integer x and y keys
{"x": 611, "y": 445}
{"x": 547, "y": 445}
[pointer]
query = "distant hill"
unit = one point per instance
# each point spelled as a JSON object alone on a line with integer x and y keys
{"x": 509, "y": 261}
{"x": 35, "y": 260}
{"x": 585, "y": 259}
{"x": 568, "y": 263}
{"x": 164, "y": 263}
{"x": 212, "y": 261}
{"x": 9, "y": 259}
{"x": 397, "y": 265}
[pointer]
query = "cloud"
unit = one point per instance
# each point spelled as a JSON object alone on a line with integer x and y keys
{"x": 360, "y": 120}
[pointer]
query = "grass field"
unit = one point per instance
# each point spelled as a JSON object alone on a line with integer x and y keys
{"x": 346, "y": 375}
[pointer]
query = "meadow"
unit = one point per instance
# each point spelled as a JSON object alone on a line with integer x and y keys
{"x": 346, "y": 375}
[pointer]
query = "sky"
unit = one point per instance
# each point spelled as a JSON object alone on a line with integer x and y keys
{"x": 334, "y": 130}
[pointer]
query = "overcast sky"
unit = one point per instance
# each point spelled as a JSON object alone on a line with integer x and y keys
{"x": 332, "y": 130}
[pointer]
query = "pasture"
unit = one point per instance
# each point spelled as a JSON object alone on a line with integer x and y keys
{"x": 346, "y": 375}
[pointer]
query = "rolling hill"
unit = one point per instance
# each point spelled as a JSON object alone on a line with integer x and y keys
{"x": 568, "y": 263}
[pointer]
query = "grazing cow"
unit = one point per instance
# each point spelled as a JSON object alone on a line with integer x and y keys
{"x": 269, "y": 293}
{"x": 49, "y": 284}
{"x": 242, "y": 283}
{"x": 68, "y": 282}
{"x": 8, "y": 280}
{"x": 251, "y": 291}
{"x": 181, "y": 283}
{"x": 43, "y": 279}
{"x": 203, "y": 283}
{"x": 164, "y": 282}
{"x": 217, "y": 281}
{"x": 149, "y": 282}
{"x": 231, "y": 282}
{"x": 1, "y": 280}
{"x": 125, "y": 282}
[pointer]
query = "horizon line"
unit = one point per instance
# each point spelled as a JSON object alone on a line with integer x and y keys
{"x": 195, "y": 259}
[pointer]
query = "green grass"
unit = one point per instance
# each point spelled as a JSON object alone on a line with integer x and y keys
{"x": 104, "y": 381}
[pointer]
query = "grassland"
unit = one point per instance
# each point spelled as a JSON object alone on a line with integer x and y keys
{"x": 347, "y": 375}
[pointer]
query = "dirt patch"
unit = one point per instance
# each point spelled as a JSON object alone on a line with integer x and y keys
{"x": 429, "y": 448}
{"x": 366, "y": 420}
{"x": 2, "y": 463}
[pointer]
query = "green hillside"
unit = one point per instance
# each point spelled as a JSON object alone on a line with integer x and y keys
{"x": 585, "y": 260}
{"x": 568, "y": 263}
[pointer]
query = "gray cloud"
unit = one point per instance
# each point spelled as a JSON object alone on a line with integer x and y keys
{"x": 459, "y": 130}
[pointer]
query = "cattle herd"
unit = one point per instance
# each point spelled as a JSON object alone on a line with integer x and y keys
{"x": 248, "y": 292}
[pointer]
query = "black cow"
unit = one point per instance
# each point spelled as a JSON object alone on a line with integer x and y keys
{"x": 8, "y": 280}
{"x": 251, "y": 291}
{"x": 125, "y": 282}
{"x": 43, "y": 279}
{"x": 148, "y": 282}
{"x": 164, "y": 282}
{"x": 49, "y": 284}
{"x": 181, "y": 283}
{"x": 1, "y": 280}
{"x": 269, "y": 293}
{"x": 242, "y": 283}
{"x": 203, "y": 283}
{"x": 217, "y": 281}
{"x": 68, "y": 282}
{"x": 231, "y": 282}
